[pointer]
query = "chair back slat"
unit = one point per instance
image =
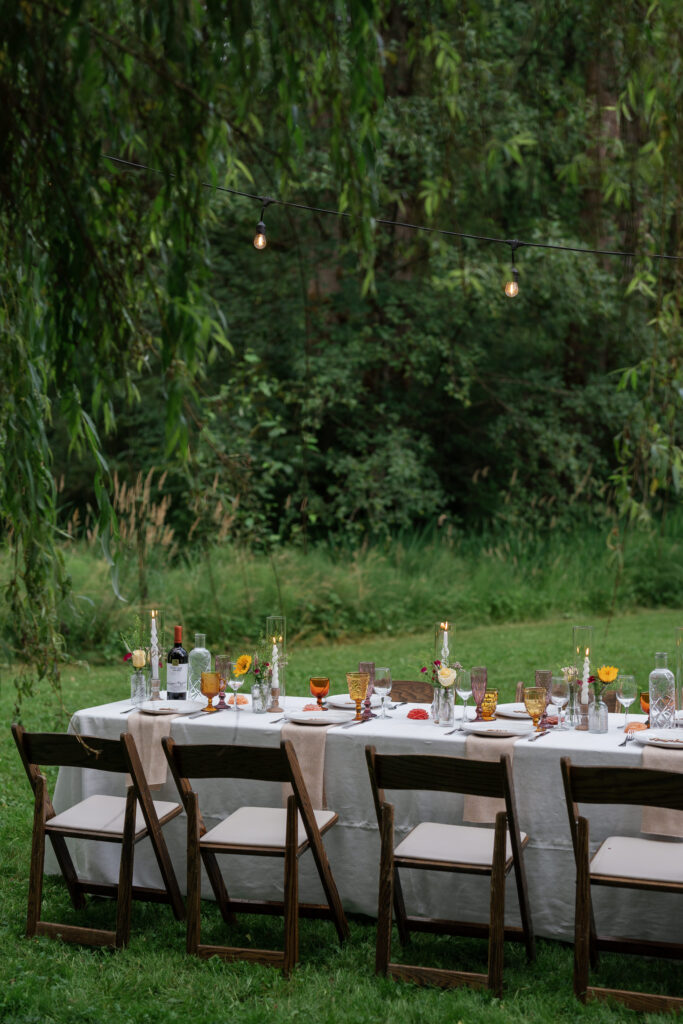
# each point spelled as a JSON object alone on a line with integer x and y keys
{"x": 418, "y": 691}
{"x": 222, "y": 761}
{"x": 618, "y": 785}
{"x": 440, "y": 774}
{"x": 61, "y": 750}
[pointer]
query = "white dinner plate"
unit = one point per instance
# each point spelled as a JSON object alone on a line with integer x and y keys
{"x": 321, "y": 717}
{"x": 671, "y": 738}
{"x": 171, "y": 707}
{"x": 343, "y": 701}
{"x": 515, "y": 710}
{"x": 499, "y": 730}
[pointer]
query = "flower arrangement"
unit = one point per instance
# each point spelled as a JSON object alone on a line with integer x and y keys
{"x": 243, "y": 665}
{"x": 606, "y": 675}
{"x": 440, "y": 674}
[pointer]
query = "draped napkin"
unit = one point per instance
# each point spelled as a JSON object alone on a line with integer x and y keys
{"x": 309, "y": 744}
{"x": 148, "y": 731}
{"x": 482, "y": 748}
{"x": 660, "y": 820}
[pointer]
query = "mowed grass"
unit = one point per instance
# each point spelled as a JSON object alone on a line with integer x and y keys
{"x": 153, "y": 979}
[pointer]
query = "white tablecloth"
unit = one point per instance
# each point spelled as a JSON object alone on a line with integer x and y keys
{"x": 353, "y": 844}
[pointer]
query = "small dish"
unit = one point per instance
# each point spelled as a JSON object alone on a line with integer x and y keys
{"x": 344, "y": 702}
{"x": 171, "y": 707}
{"x": 496, "y": 730}
{"x": 515, "y": 710}
{"x": 672, "y": 739}
{"x": 321, "y": 717}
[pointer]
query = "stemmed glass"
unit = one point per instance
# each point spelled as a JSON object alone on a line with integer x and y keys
{"x": 235, "y": 685}
{"x": 536, "y": 701}
{"x": 224, "y": 668}
{"x": 626, "y": 694}
{"x": 463, "y": 688}
{"x": 319, "y": 687}
{"x": 357, "y": 683}
{"x": 559, "y": 695}
{"x": 383, "y": 688}
{"x": 209, "y": 687}
{"x": 479, "y": 677}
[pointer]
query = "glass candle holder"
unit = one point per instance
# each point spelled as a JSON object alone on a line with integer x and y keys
{"x": 276, "y": 637}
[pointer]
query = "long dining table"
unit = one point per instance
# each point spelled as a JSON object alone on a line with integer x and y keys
{"x": 353, "y": 844}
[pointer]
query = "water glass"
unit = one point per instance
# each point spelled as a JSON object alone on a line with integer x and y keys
{"x": 463, "y": 688}
{"x": 383, "y": 688}
{"x": 488, "y": 705}
{"x": 559, "y": 695}
{"x": 626, "y": 694}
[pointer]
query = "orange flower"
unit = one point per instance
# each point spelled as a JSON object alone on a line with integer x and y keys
{"x": 607, "y": 673}
{"x": 242, "y": 665}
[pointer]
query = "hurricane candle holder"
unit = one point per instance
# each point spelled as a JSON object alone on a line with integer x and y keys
{"x": 444, "y": 638}
{"x": 276, "y": 634}
{"x": 154, "y": 655}
{"x": 582, "y": 649}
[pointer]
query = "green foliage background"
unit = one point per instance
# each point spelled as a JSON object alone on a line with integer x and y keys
{"x": 356, "y": 379}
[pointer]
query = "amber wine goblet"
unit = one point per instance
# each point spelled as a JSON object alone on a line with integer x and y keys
{"x": 535, "y": 701}
{"x": 319, "y": 687}
{"x": 210, "y": 688}
{"x": 357, "y": 683}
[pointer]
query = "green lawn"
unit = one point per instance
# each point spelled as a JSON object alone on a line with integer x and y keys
{"x": 153, "y": 980}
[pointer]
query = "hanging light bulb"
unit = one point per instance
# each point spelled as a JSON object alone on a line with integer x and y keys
{"x": 260, "y": 240}
{"x": 512, "y": 285}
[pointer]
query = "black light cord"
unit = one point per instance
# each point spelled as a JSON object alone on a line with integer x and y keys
{"x": 514, "y": 243}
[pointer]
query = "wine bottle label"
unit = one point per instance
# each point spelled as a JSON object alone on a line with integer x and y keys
{"x": 176, "y": 678}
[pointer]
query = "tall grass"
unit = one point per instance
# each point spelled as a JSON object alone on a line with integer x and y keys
{"x": 332, "y": 593}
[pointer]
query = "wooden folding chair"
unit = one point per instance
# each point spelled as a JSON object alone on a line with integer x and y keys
{"x": 260, "y": 831}
{"x": 621, "y": 861}
{"x": 110, "y": 819}
{"x": 418, "y": 691}
{"x": 458, "y": 848}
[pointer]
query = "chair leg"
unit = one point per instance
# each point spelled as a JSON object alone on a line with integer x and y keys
{"x": 386, "y": 890}
{"x": 217, "y": 881}
{"x": 583, "y": 912}
{"x": 291, "y": 903}
{"x": 124, "y": 897}
{"x": 35, "y": 885}
{"x": 497, "y": 907}
{"x": 194, "y": 877}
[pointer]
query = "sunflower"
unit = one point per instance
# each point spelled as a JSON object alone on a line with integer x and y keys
{"x": 607, "y": 673}
{"x": 242, "y": 665}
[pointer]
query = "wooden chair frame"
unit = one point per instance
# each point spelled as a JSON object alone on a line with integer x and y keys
{"x": 615, "y": 785}
{"x": 417, "y": 691}
{"x": 270, "y": 765}
{"x": 448, "y": 775}
{"x": 119, "y": 756}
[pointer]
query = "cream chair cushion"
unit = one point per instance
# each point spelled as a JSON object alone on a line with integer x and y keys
{"x": 453, "y": 844}
{"x": 104, "y": 814}
{"x": 647, "y": 859}
{"x": 260, "y": 826}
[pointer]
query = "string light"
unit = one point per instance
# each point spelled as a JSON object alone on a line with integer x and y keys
{"x": 260, "y": 240}
{"x": 511, "y": 287}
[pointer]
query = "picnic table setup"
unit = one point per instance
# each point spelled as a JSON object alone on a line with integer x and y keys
{"x": 560, "y": 724}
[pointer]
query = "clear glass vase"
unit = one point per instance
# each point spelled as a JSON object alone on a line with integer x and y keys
{"x": 662, "y": 694}
{"x": 446, "y": 708}
{"x": 598, "y": 716}
{"x": 435, "y": 710}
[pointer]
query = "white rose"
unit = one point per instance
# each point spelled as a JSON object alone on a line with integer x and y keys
{"x": 446, "y": 676}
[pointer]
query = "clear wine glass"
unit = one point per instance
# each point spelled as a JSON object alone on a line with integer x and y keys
{"x": 559, "y": 695}
{"x": 383, "y": 688}
{"x": 235, "y": 685}
{"x": 626, "y": 693}
{"x": 463, "y": 688}
{"x": 479, "y": 677}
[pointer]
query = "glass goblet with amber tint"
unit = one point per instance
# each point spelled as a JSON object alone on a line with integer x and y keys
{"x": 319, "y": 687}
{"x": 357, "y": 683}
{"x": 535, "y": 701}
{"x": 210, "y": 688}
{"x": 488, "y": 705}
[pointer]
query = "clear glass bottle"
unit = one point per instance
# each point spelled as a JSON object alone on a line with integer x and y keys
{"x": 598, "y": 716}
{"x": 200, "y": 661}
{"x": 662, "y": 694}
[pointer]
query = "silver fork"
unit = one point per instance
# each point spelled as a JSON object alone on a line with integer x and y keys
{"x": 627, "y": 739}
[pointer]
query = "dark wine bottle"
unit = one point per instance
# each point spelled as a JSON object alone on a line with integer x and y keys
{"x": 177, "y": 668}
